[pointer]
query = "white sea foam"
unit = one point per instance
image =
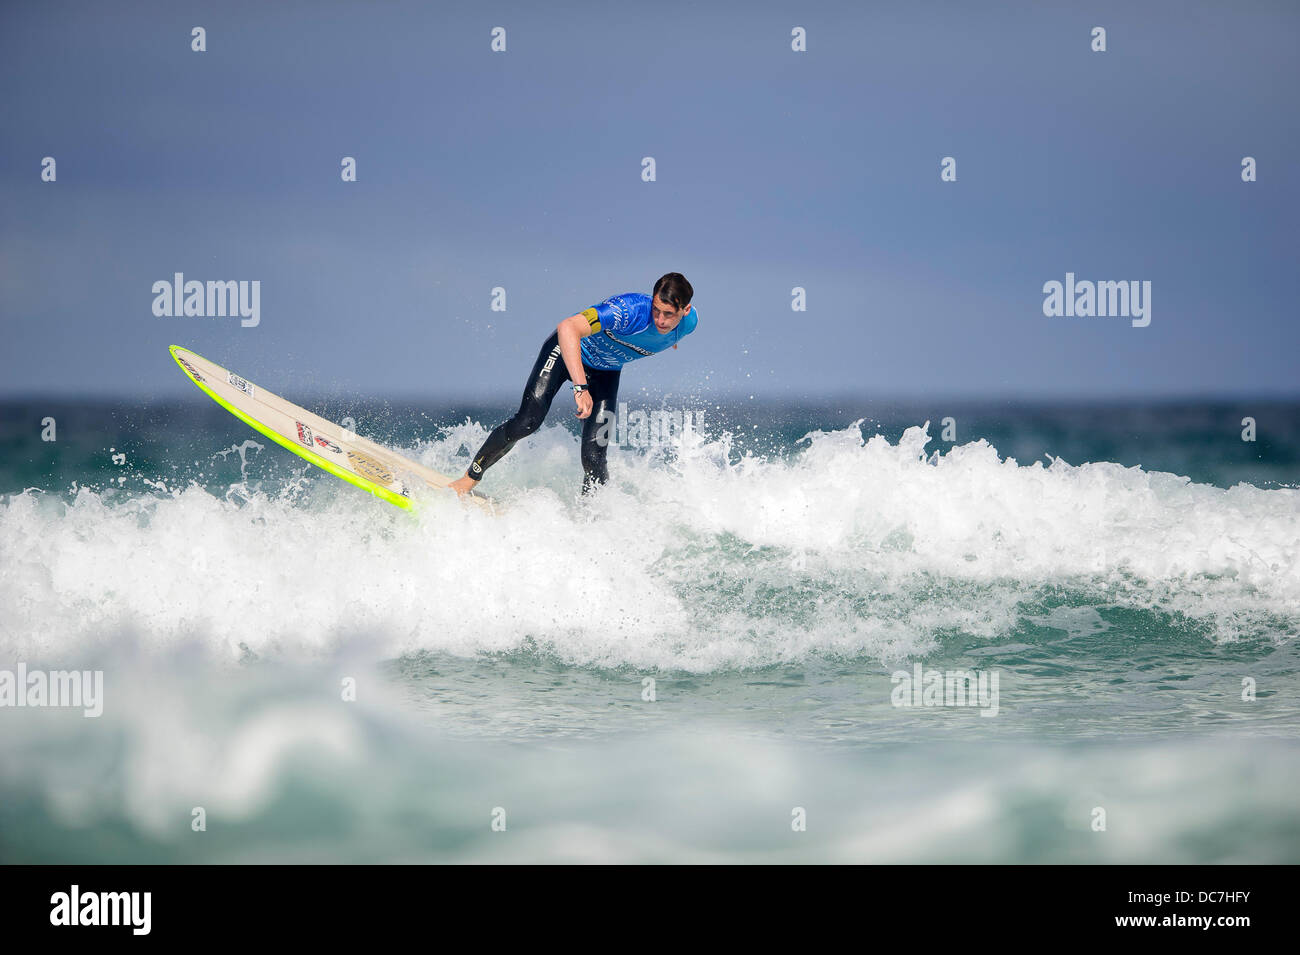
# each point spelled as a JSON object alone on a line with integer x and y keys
{"x": 691, "y": 560}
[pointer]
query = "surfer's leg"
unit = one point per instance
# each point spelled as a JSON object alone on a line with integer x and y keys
{"x": 544, "y": 381}
{"x": 598, "y": 428}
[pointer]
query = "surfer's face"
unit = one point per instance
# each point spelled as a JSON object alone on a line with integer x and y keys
{"x": 665, "y": 316}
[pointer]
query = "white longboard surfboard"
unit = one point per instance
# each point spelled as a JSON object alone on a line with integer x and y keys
{"x": 344, "y": 454}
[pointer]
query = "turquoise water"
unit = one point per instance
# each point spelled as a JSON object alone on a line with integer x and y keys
{"x": 1130, "y": 574}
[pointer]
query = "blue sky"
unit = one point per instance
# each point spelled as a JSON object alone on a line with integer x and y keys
{"x": 775, "y": 169}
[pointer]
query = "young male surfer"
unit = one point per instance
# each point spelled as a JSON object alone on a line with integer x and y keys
{"x": 590, "y": 349}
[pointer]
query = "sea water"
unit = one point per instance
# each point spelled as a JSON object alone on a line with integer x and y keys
{"x": 743, "y": 648}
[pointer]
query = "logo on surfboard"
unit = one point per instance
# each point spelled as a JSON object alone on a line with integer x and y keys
{"x": 190, "y": 369}
{"x": 369, "y": 467}
{"x": 245, "y": 386}
{"x": 315, "y": 440}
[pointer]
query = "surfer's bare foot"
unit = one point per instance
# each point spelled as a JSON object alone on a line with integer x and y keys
{"x": 462, "y": 484}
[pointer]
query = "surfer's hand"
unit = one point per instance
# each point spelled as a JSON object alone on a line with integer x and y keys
{"x": 462, "y": 485}
{"x": 583, "y": 400}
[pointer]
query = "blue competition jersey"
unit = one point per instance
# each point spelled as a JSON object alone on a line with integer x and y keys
{"x": 622, "y": 330}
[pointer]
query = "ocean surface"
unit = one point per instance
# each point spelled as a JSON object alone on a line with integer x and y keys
{"x": 709, "y": 660}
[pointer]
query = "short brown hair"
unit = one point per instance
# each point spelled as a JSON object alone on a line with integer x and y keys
{"x": 675, "y": 290}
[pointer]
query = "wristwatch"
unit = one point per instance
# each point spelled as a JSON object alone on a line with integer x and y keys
{"x": 578, "y": 388}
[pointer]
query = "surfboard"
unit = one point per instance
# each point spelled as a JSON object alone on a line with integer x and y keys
{"x": 343, "y": 453}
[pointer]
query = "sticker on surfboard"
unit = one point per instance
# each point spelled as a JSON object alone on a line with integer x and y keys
{"x": 239, "y": 383}
{"x": 341, "y": 452}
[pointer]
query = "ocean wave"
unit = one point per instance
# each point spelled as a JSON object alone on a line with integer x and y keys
{"x": 693, "y": 558}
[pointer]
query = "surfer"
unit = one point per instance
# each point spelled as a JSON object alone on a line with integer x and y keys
{"x": 590, "y": 349}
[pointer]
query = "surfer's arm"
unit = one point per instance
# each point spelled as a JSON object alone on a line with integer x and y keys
{"x": 570, "y": 331}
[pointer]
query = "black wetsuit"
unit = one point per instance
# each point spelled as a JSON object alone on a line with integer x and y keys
{"x": 549, "y": 372}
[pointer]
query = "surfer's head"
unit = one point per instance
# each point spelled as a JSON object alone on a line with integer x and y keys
{"x": 671, "y": 302}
